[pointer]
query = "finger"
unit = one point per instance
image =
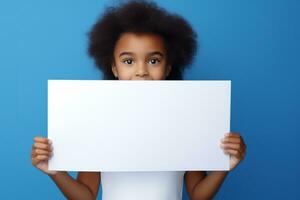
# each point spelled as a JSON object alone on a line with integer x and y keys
{"x": 233, "y": 146}
{"x": 33, "y": 150}
{"x": 232, "y": 134}
{"x": 38, "y": 159}
{"x": 231, "y": 140}
{"x": 34, "y": 161}
{"x": 44, "y": 146}
{"x": 40, "y": 139}
{"x": 42, "y": 157}
{"x": 232, "y": 152}
{"x": 42, "y": 152}
{"x": 33, "y": 153}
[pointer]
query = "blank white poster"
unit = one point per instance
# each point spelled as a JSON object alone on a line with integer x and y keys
{"x": 118, "y": 125}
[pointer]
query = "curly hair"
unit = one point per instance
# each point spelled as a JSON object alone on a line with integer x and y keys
{"x": 142, "y": 16}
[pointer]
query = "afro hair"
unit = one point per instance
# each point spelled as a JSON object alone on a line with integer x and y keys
{"x": 142, "y": 17}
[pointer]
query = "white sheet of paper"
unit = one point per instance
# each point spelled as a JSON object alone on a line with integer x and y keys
{"x": 118, "y": 125}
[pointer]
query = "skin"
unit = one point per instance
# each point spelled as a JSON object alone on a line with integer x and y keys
{"x": 138, "y": 57}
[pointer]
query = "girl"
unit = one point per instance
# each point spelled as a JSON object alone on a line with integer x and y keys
{"x": 140, "y": 41}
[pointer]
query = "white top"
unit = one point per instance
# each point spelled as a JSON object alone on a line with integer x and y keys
{"x": 162, "y": 185}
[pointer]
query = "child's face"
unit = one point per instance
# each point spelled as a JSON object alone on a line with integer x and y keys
{"x": 140, "y": 57}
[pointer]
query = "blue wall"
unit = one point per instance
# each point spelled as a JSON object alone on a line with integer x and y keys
{"x": 256, "y": 44}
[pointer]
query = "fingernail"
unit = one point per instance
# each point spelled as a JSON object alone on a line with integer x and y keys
{"x": 50, "y": 142}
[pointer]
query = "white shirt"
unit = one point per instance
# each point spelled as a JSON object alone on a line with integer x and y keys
{"x": 163, "y": 185}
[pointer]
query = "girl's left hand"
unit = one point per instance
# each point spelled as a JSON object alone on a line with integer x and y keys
{"x": 233, "y": 145}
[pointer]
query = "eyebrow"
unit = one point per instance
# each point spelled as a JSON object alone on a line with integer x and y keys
{"x": 149, "y": 54}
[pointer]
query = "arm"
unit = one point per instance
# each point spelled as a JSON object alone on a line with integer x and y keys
{"x": 202, "y": 186}
{"x": 84, "y": 187}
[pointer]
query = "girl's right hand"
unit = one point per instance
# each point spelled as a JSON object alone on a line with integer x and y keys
{"x": 41, "y": 152}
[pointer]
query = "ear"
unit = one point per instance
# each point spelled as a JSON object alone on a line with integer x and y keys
{"x": 114, "y": 70}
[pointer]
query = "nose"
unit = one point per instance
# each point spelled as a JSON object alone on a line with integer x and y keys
{"x": 141, "y": 70}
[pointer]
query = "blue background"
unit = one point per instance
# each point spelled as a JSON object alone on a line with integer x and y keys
{"x": 255, "y": 44}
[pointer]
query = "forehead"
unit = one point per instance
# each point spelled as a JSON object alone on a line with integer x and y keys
{"x": 139, "y": 43}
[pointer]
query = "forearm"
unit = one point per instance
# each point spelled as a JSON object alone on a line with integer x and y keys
{"x": 208, "y": 187}
{"x": 71, "y": 188}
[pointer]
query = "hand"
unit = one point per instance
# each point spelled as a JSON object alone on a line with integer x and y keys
{"x": 233, "y": 145}
{"x": 41, "y": 152}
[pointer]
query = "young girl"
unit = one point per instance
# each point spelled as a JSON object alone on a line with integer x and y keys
{"x": 140, "y": 41}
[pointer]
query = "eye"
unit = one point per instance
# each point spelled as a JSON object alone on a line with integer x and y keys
{"x": 154, "y": 61}
{"x": 128, "y": 61}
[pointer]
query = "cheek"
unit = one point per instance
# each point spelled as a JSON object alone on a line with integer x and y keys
{"x": 125, "y": 72}
{"x": 157, "y": 73}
